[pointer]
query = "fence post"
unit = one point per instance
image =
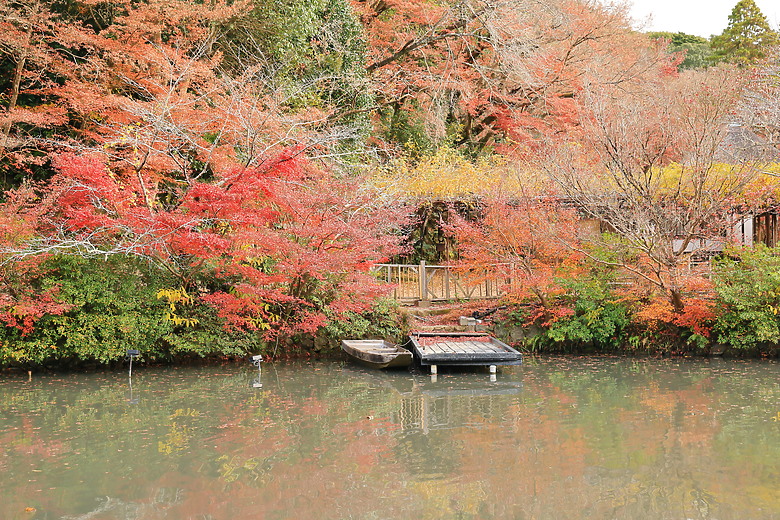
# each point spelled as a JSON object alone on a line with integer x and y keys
{"x": 512, "y": 281}
{"x": 423, "y": 282}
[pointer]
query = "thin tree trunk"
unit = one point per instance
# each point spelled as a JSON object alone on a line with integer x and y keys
{"x": 5, "y": 130}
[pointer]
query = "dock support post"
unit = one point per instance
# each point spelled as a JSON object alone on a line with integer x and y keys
{"x": 492, "y": 369}
{"x": 434, "y": 369}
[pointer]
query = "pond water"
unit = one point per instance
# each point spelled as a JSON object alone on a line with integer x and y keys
{"x": 554, "y": 438}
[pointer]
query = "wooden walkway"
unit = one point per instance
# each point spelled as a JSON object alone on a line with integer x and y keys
{"x": 462, "y": 349}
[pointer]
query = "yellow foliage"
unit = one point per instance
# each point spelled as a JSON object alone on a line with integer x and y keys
{"x": 174, "y": 296}
{"x": 182, "y": 412}
{"x": 719, "y": 177}
{"x": 767, "y": 183}
{"x": 449, "y": 175}
{"x": 179, "y": 321}
{"x": 177, "y": 439}
{"x": 232, "y": 468}
{"x": 259, "y": 323}
{"x": 262, "y": 324}
{"x": 446, "y": 174}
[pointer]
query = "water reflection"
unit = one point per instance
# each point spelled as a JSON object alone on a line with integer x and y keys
{"x": 555, "y": 438}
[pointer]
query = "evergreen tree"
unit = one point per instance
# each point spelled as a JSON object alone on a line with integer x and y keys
{"x": 698, "y": 53}
{"x": 747, "y": 38}
{"x": 315, "y": 48}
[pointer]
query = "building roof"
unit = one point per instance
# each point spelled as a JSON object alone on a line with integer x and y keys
{"x": 741, "y": 144}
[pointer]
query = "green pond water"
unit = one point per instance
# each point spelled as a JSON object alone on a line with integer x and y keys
{"x": 554, "y": 438}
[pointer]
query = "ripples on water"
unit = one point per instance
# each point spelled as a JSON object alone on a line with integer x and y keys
{"x": 555, "y": 438}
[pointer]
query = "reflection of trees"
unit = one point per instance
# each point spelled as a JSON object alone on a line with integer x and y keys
{"x": 428, "y": 415}
{"x": 617, "y": 438}
{"x": 653, "y": 435}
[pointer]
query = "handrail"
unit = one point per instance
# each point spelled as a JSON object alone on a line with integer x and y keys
{"x": 424, "y": 283}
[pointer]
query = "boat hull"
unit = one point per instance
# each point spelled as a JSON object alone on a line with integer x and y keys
{"x": 377, "y": 353}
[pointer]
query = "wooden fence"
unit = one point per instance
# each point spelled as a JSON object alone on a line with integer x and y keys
{"x": 422, "y": 282}
{"x": 429, "y": 283}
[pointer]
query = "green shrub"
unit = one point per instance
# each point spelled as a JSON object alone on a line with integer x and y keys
{"x": 747, "y": 283}
{"x": 208, "y": 337}
{"x": 112, "y": 308}
{"x": 384, "y": 320}
{"x": 597, "y": 320}
{"x": 114, "y": 305}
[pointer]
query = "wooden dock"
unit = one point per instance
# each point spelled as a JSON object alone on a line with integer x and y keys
{"x": 462, "y": 349}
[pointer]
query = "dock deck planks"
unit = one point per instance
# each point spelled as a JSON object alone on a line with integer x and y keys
{"x": 462, "y": 349}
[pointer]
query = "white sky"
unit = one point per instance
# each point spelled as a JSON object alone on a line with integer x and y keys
{"x": 700, "y": 17}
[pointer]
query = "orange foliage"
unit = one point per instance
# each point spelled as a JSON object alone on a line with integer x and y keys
{"x": 696, "y": 315}
{"x": 527, "y": 242}
{"x": 510, "y": 71}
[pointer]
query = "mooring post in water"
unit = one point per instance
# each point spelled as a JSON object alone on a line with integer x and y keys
{"x": 132, "y": 400}
{"x": 130, "y": 355}
{"x": 434, "y": 369}
{"x": 256, "y": 361}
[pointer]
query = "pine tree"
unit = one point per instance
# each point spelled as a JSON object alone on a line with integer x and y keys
{"x": 747, "y": 38}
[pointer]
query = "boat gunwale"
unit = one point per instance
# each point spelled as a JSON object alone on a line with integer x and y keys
{"x": 392, "y": 356}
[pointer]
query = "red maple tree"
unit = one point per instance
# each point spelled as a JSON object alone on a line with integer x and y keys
{"x": 283, "y": 246}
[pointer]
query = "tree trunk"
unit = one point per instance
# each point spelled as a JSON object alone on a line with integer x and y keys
{"x": 5, "y": 130}
{"x": 677, "y": 302}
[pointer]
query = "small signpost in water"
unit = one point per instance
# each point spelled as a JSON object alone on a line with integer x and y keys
{"x": 130, "y": 355}
{"x": 256, "y": 360}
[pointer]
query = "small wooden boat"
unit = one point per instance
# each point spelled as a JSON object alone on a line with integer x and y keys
{"x": 377, "y": 353}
